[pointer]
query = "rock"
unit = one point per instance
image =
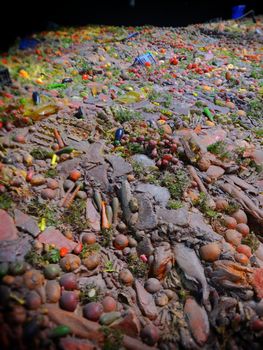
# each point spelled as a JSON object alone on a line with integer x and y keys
{"x": 53, "y": 291}
{"x": 120, "y": 166}
{"x": 94, "y": 154}
{"x": 214, "y": 172}
{"x": 97, "y": 280}
{"x": 129, "y": 325}
{"x": 92, "y": 261}
{"x": 70, "y": 262}
{"x": 92, "y": 215}
{"x": 67, "y": 166}
{"x": 125, "y": 197}
{"x": 143, "y": 160}
{"x": 161, "y": 299}
{"x": 147, "y": 219}
{"x": 160, "y": 194}
{"x": 152, "y": 285}
{"x": 162, "y": 261}
{"x": 145, "y": 302}
{"x": 179, "y": 217}
{"x": 37, "y": 180}
{"x": 145, "y": 247}
{"x": 15, "y": 250}
{"x": 26, "y": 223}
{"x": 99, "y": 175}
{"x": 48, "y": 193}
{"x": 197, "y": 320}
{"x": 134, "y": 207}
{"x": 199, "y": 228}
{"x": 8, "y": 231}
{"x": 54, "y": 236}
{"x": 70, "y": 343}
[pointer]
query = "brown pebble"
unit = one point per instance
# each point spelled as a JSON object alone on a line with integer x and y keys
{"x": 53, "y": 184}
{"x": 92, "y": 261}
{"x": 121, "y": 242}
{"x": 126, "y": 277}
{"x": 38, "y": 180}
{"x": 47, "y": 193}
{"x": 88, "y": 238}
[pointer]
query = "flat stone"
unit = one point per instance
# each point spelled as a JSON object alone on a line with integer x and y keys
{"x": 145, "y": 301}
{"x": 8, "y": 231}
{"x": 97, "y": 280}
{"x": 129, "y": 324}
{"x": 214, "y": 172}
{"x": 199, "y": 228}
{"x": 162, "y": 261}
{"x": 26, "y": 223}
{"x": 54, "y": 236}
{"x": 147, "y": 219}
{"x": 145, "y": 247}
{"x": 15, "y": 250}
{"x": 120, "y": 166}
{"x": 72, "y": 343}
{"x": 92, "y": 215}
{"x": 143, "y": 160}
{"x": 179, "y": 217}
{"x": 94, "y": 154}
{"x": 99, "y": 175}
{"x": 66, "y": 167}
{"x": 160, "y": 194}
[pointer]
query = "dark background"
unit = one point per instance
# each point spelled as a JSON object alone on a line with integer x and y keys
{"x": 23, "y": 18}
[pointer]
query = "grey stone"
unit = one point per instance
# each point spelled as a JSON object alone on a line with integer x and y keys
{"x": 99, "y": 175}
{"x": 26, "y": 223}
{"x": 143, "y": 160}
{"x": 179, "y": 217}
{"x": 94, "y": 154}
{"x": 145, "y": 247}
{"x": 145, "y": 302}
{"x": 125, "y": 198}
{"x": 160, "y": 194}
{"x": 200, "y": 229}
{"x": 97, "y": 281}
{"x": 120, "y": 166}
{"x": 15, "y": 250}
{"x": 147, "y": 219}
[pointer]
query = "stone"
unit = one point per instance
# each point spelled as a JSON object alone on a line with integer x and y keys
{"x": 214, "y": 172}
{"x": 72, "y": 343}
{"x": 161, "y": 299}
{"x": 92, "y": 215}
{"x": 26, "y": 223}
{"x": 179, "y": 217}
{"x": 147, "y": 219}
{"x": 94, "y": 154}
{"x": 152, "y": 285}
{"x": 120, "y": 166}
{"x": 125, "y": 198}
{"x": 67, "y": 166}
{"x": 8, "y": 231}
{"x": 53, "y": 291}
{"x": 162, "y": 261}
{"x": 143, "y": 160}
{"x": 99, "y": 175}
{"x": 129, "y": 324}
{"x": 160, "y": 194}
{"x": 200, "y": 229}
{"x": 97, "y": 280}
{"x": 145, "y": 247}
{"x": 53, "y": 236}
{"x": 145, "y": 301}
{"x": 15, "y": 250}
{"x": 197, "y": 320}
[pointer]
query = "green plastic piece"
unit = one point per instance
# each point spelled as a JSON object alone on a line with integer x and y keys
{"x": 60, "y": 331}
{"x": 67, "y": 150}
{"x": 208, "y": 114}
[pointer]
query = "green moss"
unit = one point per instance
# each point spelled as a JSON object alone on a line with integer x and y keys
{"x": 40, "y": 153}
{"x": 176, "y": 183}
{"x": 108, "y": 267}
{"x": 137, "y": 267}
{"x": 252, "y": 241}
{"x": 76, "y": 215}
{"x": 52, "y": 172}
{"x": 219, "y": 148}
{"x": 135, "y": 148}
{"x": 90, "y": 292}
{"x": 112, "y": 338}
{"x": 106, "y": 237}
{"x": 5, "y": 201}
{"x": 203, "y": 205}
{"x": 123, "y": 115}
{"x": 174, "y": 204}
{"x": 88, "y": 249}
{"x": 42, "y": 210}
{"x": 52, "y": 256}
{"x": 35, "y": 259}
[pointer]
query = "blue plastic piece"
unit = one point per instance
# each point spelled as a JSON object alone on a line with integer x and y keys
{"x": 118, "y": 134}
{"x": 147, "y": 57}
{"x": 28, "y": 44}
{"x": 238, "y": 11}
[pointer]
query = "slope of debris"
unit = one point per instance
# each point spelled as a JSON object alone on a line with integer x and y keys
{"x": 131, "y": 188}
